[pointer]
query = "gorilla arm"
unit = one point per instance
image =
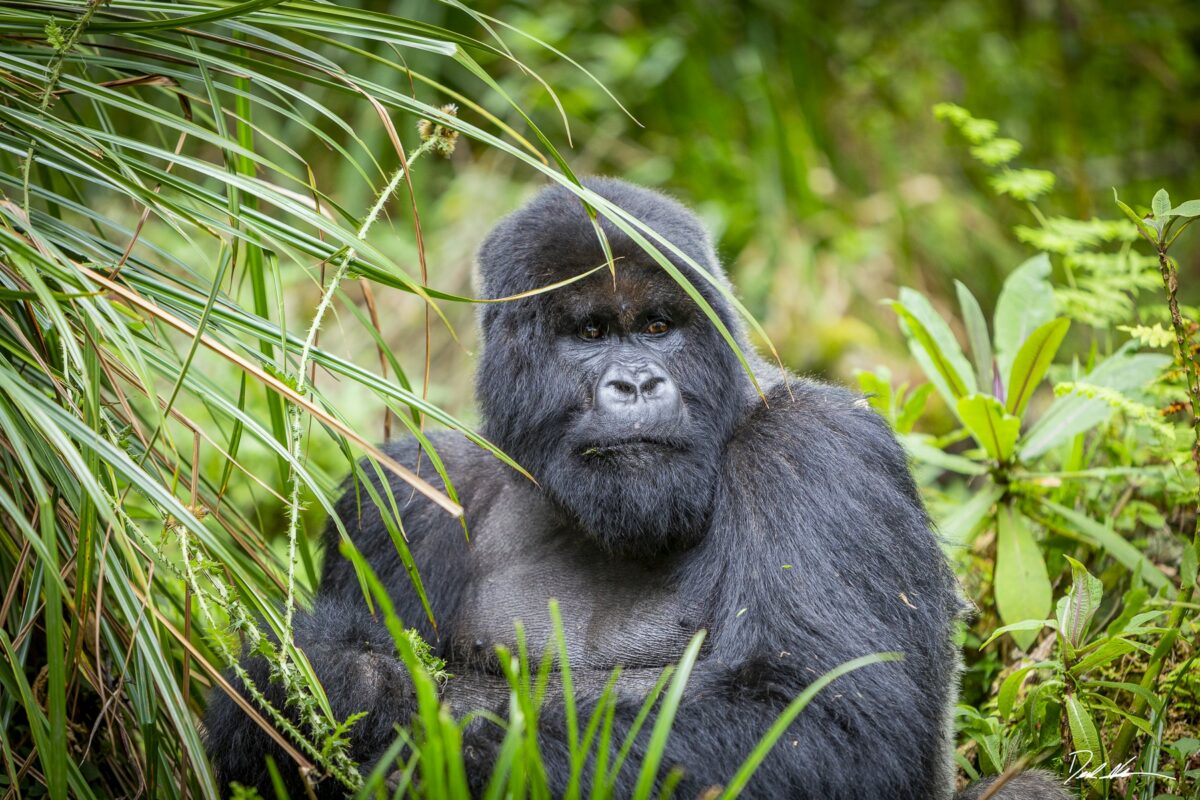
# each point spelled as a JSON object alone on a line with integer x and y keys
{"x": 352, "y": 653}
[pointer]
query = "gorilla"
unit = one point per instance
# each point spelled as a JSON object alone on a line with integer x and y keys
{"x": 670, "y": 496}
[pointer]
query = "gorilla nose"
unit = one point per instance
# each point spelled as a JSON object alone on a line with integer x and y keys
{"x": 645, "y": 393}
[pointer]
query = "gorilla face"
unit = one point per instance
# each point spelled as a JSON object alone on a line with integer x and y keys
{"x": 617, "y": 395}
{"x": 638, "y": 447}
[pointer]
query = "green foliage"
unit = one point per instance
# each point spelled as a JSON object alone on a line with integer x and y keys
{"x": 1053, "y": 464}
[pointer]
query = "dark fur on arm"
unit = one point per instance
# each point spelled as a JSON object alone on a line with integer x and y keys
{"x": 351, "y": 652}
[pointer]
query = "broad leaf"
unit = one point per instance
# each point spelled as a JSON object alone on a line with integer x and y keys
{"x": 1085, "y": 739}
{"x": 1189, "y": 209}
{"x": 928, "y": 332}
{"x": 1073, "y": 414}
{"x": 1026, "y": 302}
{"x": 1007, "y": 696}
{"x": 1032, "y": 361}
{"x": 977, "y": 335}
{"x": 1022, "y": 586}
{"x": 1106, "y": 653}
{"x": 995, "y": 429}
{"x": 1112, "y": 542}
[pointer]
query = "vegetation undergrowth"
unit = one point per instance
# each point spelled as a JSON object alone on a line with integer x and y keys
{"x": 1073, "y": 521}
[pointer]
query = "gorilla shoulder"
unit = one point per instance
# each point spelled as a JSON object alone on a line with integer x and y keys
{"x": 808, "y": 421}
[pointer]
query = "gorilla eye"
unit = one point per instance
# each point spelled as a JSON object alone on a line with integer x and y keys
{"x": 591, "y": 329}
{"x": 657, "y": 327}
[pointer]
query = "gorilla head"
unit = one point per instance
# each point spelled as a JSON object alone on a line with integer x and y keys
{"x": 617, "y": 395}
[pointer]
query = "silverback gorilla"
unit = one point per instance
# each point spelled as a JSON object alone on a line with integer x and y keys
{"x": 671, "y": 497}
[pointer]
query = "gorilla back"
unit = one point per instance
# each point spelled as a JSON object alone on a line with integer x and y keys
{"x": 671, "y": 497}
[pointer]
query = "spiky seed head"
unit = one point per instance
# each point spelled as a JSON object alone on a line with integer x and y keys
{"x": 442, "y": 139}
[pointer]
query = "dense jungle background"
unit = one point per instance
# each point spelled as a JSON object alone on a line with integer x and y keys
{"x": 214, "y": 297}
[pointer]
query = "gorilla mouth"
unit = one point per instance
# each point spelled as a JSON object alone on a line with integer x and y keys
{"x": 630, "y": 446}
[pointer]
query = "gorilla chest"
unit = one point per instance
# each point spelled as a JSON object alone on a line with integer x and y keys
{"x": 614, "y": 611}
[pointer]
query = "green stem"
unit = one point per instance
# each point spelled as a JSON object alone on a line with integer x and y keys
{"x": 1170, "y": 278}
{"x": 342, "y": 261}
{"x": 55, "y": 72}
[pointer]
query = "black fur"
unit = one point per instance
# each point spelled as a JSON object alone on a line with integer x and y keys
{"x": 788, "y": 527}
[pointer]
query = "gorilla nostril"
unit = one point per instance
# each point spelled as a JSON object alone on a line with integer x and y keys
{"x": 650, "y": 387}
{"x": 624, "y": 388}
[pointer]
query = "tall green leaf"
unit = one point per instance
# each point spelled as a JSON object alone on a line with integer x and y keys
{"x": 1022, "y": 586}
{"x": 933, "y": 345}
{"x": 977, "y": 335}
{"x": 1032, "y": 361}
{"x": 1082, "y": 603}
{"x": 993, "y": 427}
{"x": 1085, "y": 738}
{"x": 1026, "y": 302}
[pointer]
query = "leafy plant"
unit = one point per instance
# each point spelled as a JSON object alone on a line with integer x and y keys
{"x": 1031, "y": 487}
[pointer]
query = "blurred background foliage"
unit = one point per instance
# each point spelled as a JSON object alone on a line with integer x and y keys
{"x": 803, "y": 134}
